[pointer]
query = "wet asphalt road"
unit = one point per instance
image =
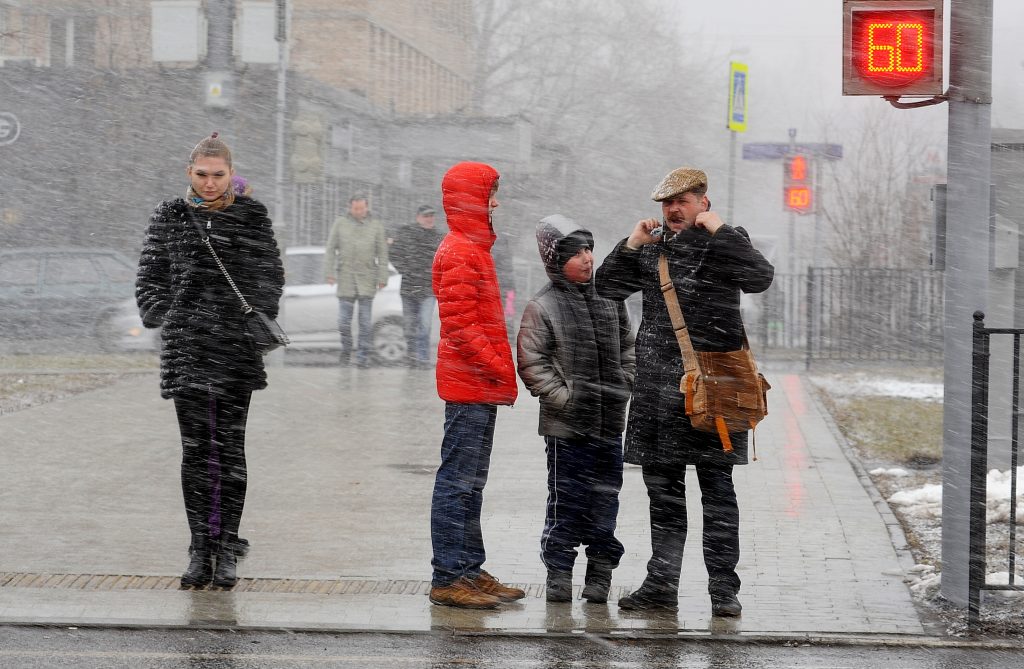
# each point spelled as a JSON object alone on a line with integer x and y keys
{"x": 41, "y": 647}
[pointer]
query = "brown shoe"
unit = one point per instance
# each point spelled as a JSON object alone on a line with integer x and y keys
{"x": 492, "y": 586}
{"x": 464, "y": 595}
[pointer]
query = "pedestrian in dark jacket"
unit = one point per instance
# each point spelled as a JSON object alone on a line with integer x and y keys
{"x": 412, "y": 254}
{"x": 575, "y": 352}
{"x": 208, "y": 366}
{"x": 475, "y": 374}
{"x": 710, "y": 263}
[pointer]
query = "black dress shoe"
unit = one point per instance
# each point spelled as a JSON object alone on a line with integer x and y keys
{"x": 650, "y": 599}
{"x": 725, "y": 605}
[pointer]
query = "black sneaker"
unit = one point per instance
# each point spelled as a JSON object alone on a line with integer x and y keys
{"x": 725, "y": 605}
{"x": 650, "y": 599}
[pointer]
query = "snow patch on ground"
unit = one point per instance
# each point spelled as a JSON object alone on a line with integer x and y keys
{"x": 895, "y": 472}
{"x": 864, "y": 386}
{"x": 926, "y": 501}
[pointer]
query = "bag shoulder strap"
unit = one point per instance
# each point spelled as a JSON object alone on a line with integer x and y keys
{"x": 668, "y": 291}
{"x": 206, "y": 240}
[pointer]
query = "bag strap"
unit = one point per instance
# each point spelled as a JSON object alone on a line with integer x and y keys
{"x": 668, "y": 291}
{"x": 246, "y": 309}
{"x": 675, "y": 312}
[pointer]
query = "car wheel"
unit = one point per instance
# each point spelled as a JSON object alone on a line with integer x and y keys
{"x": 389, "y": 342}
{"x": 105, "y": 334}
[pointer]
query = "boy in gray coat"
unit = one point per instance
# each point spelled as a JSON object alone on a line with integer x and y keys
{"x": 575, "y": 352}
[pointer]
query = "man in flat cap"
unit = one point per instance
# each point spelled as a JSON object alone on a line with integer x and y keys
{"x": 709, "y": 263}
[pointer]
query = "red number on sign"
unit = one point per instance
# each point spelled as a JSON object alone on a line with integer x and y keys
{"x": 889, "y": 43}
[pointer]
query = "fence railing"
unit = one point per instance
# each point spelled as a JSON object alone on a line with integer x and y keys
{"x": 851, "y": 314}
{"x": 977, "y": 566}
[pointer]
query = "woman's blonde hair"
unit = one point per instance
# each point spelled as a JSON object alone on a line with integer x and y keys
{"x": 210, "y": 147}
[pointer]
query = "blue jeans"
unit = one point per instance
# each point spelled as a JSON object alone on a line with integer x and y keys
{"x": 584, "y": 479}
{"x": 417, "y": 314}
{"x": 459, "y": 492}
{"x": 365, "y": 343}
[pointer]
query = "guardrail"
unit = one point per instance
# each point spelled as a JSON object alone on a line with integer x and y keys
{"x": 977, "y": 565}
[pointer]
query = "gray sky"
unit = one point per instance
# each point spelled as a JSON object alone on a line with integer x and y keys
{"x": 793, "y": 49}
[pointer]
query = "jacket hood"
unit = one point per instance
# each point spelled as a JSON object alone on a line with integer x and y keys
{"x": 550, "y": 231}
{"x": 466, "y": 190}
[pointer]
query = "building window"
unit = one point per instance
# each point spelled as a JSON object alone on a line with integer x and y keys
{"x": 256, "y": 29}
{"x": 178, "y": 31}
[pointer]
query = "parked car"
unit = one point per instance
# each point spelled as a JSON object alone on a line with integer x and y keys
{"x": 51, "y": 293}
{"x": 309, "y": 313}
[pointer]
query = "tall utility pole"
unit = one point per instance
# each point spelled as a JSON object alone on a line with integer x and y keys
{"x": 966, "y": 276}
{"x": 220, "y": 17}
{"x": 281, "y": 35}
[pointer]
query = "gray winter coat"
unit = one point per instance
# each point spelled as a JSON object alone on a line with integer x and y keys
{"x": 575, "y": 350}
{"x": 709, "y": 272}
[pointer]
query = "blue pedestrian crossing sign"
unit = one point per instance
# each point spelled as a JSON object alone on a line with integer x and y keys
{"x": 738, "y": 77}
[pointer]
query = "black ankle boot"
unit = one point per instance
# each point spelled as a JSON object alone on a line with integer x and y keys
{"x": 226, "y": 573}
{"x": 598, "y": 582}
{"x": 200, "y": 565}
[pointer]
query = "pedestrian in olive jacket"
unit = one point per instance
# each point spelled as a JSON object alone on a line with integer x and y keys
{"x": 575, "y": 352}
{"x": 208, "y": 365}
{"x": 710, "y": 264}
{"x": 356, "y": 261}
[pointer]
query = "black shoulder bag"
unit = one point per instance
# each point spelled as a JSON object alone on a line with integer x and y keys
{"x": 262, "y": 330}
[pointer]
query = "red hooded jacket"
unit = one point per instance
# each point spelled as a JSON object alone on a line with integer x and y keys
{"x": 474, "y": 360}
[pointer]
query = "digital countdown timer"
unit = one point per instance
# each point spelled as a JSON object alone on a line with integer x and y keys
{"x": 892, "y": 47}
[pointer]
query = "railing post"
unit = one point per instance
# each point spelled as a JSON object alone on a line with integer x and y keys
{"x": 810, "y": 317}
{"x": 979, "y": 464}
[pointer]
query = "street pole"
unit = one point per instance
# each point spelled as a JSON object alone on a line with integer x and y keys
{"x": 732, "y": 177}
{"x": 282, "y": 106}
{"x": 965, "y": 282}
{"x": 276, "y": 358}
{"x": 793, "y": 263}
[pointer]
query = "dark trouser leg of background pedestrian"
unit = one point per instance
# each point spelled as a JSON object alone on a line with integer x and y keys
{"x": 721, "y": 537}
{"x": 603, "y": 550}
{"x": 426, "y": 319}
{"x": 410, "y": 328}
{"x": 364, "y": 349}
{"x": 345, "y": 307}
{"x": 666, "y": 489}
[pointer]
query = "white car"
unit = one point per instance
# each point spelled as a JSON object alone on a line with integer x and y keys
{"x": 309, "y": 313}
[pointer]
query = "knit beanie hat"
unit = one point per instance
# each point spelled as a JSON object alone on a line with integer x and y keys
{"x": 571, "y": 244}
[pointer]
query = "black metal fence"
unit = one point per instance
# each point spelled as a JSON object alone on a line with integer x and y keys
{"x": 851, "y": 314}
{"x": 978, "y": 524}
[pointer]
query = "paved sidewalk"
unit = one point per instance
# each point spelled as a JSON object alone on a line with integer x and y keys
{"x": 341, "y": 468}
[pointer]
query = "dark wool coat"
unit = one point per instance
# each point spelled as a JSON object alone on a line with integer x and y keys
{"x": 412, "y": 254}
{"x": 180, "y": 289}
{"x": 575, "y": 349}
{"x": 708, "y": 271}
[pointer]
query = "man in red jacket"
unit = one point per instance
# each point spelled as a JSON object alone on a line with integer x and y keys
{"x": 475, "y": 374}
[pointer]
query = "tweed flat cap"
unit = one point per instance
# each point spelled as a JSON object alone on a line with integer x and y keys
{"x": 679, "y": 181}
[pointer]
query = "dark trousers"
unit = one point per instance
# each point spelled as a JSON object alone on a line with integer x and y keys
{"x": 455, "y": 532}
{"x": 417, "y": 317}
{"x": 213, "y": 475}
{"x": 584, "y": 479}
{"x": 666, "y": 488}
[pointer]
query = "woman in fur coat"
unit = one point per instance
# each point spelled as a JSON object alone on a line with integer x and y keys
{"x": 207, "y": 364}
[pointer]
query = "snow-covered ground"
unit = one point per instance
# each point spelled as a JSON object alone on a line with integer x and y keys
{"x": 916, "y": 498}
